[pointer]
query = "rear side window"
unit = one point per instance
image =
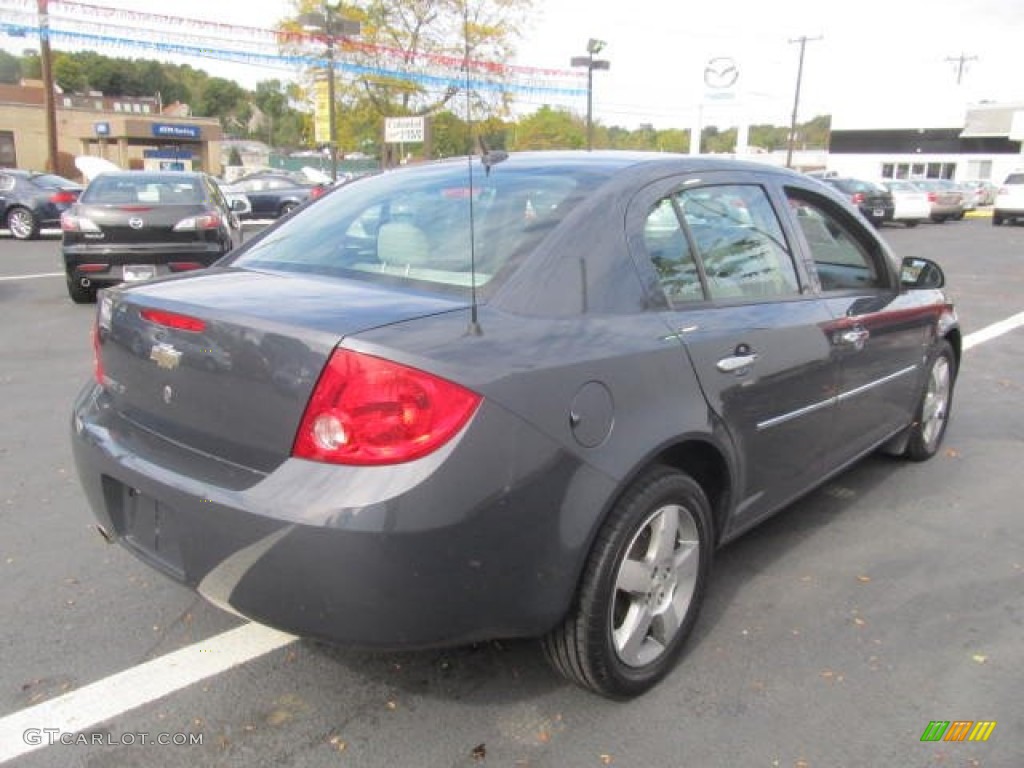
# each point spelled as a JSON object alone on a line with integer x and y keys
{"x": 416, "y": 227}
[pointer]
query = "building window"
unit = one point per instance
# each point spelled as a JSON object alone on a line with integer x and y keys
{"x": 136, "y": 107}
{"x": 8, "y": 155}
{"x": 146, "y": 109}
{"x": 887, "y": 171}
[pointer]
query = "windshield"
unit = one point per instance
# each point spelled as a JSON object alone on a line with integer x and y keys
{"x": 414, "y": 226}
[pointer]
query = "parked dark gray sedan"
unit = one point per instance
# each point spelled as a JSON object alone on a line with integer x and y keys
{"x": 518, "y": 396}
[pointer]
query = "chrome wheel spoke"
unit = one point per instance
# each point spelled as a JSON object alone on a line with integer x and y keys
{"x": 634, "y": 577}
{"x": 687, "y": 560}
{"x": 664, "y": 535}
{"x": 631, "y": 639}
{"x": 667, "y": 622}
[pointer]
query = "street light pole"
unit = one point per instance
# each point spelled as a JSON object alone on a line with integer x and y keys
{"x": 588, "y": 61}
{"x": 332, "y": 119}
{"x": 329, "y": 22}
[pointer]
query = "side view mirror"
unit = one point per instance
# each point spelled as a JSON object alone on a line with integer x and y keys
{"x": 916, "y": 272}
{"x": 237, "y": 205}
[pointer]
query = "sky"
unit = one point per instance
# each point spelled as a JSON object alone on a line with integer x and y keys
{"x": 878, "y": 63}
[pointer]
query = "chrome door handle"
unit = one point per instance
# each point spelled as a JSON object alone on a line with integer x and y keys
{"x": 735, "y": 363}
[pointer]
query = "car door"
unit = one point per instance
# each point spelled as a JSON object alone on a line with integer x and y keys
{"x": 6, "y": 196}
{"x": 739, "y": 306}
{"x": 878, "y": 332}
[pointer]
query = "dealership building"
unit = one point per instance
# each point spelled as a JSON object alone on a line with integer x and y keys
{"x": 946, "y": 141}
{"x": 134, "y": 133}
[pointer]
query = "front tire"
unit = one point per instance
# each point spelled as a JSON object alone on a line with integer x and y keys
{"x": 23, "y": 224}
{"x": 932, "y": 415}
{"x": 997, "y": 220}
{"x": 911, "y": 223}
{"x": 641, "y": 589}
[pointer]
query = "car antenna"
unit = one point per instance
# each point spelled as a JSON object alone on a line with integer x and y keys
{"x": 474, "y": 323}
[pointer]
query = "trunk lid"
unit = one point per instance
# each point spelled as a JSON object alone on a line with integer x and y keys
{"x": 224, "y": 362}
{"x": 140, "y": 223}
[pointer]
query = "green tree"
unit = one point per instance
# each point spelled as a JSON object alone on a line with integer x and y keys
{"x": 414, "y": 38}
{"x": 10, "y": 68}
{"x": 69, "y": 73}
{"x": 549, "y": 128}
{"x": 31, "y": 66}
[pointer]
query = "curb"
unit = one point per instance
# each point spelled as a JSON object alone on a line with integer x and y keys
{"x": 985, "y": 214}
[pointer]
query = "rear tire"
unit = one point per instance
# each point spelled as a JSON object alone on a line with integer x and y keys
{"x": 23, "y": 223}
{"x": 641, "y": 589}
{"x": 911, "y": 223}
{"x": 932, "y": 415}
{"x": 286, "y": 209}
{"x": 997, "y": 220}
{"x": 78, "y": 294}
{"x": 939, "y": 219}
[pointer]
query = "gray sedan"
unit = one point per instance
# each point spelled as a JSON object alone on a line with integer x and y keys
{"x": 519, "y": 396}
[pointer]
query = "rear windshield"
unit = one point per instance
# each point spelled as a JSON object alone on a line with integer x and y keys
{"x": 169, "y": 189}
{"x": 1015, "y": 178}
{"x": 50, "y": 181}
{"x": 416, "y": 227}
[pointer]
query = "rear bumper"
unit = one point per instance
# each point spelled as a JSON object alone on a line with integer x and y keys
{"x": 115, "y": 258}
{"x": 483, "y": 539}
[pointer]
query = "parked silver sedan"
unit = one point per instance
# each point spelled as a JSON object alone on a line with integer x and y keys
{"x": 947, "y": 202}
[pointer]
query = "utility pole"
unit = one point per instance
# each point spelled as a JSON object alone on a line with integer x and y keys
{"x": 46, "y": 62}
{"x": 803, "y": 40}
{"x": 961, "y": 64}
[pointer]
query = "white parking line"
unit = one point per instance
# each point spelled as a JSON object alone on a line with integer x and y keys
{"x": 105, "y": 699}
{"x": 32, "y": 277}
{"x": 992, "y": 331}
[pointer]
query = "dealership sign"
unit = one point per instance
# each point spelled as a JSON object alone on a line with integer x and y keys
{"x": 404, "y": 130}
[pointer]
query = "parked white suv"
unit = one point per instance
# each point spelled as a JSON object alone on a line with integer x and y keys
{"x": 1009, "y": 203}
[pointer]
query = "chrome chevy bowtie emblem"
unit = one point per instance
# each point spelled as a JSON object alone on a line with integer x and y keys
{"x": 721, "y": 72}
{"x": 168, "y": 394}
{"x": 136, "y": 223}
{"x": 165, "y": 356}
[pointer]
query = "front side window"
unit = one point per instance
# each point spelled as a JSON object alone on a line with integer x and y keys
{"x": 739, "y": 241}
{"x": 843, "y": 262}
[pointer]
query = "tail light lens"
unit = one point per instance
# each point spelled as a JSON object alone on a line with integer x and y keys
{"x": 71, "y": 223}
{"x": 206, "y": 221}
{"x": 368, "y": 411}
{"x": 316, "y": 192}
{"x": 857, "y": 198}
{"x": 932, "y": 197}
{"x": 173, "y": 320}
{"x": 64, "y": 196}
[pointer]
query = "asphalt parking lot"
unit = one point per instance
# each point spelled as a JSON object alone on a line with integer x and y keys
{"x": 832, "y": 635}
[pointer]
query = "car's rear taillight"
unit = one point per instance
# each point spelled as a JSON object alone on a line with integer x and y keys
{"x": 63, "y": 196}
{"x": 173, "y": 320}
{"x": 316, "y": 192}
{"x": 932, "y": 197}
{"x": 857, "y": 198}
{"x": 71, "y": 223}
{"x": 205, "y": 221}
{"x": 366, "y": 410}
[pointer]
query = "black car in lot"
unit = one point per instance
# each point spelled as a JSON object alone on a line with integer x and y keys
{"x": 521, "y": 396}
{"x": 873, "y": 200}
{"x": 274, "y": 194}
{"x": 31, "y": 201}
{"x": 135, "y": 225}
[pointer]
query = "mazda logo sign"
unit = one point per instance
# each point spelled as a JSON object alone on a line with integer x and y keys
{"x": 721, "y": 72}
{"x": 136, "y": 223}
